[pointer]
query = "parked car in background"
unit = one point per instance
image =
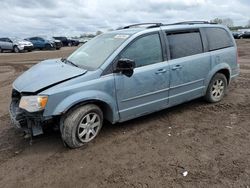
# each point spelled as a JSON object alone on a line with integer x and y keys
{"x": 42, "y": 43}
{"x": 58, "y": 43}
{"x": 83, "y": 40}
{"x": 67, "y": 42}
{"x": 237, "y": 34}
{"x": 245, "y": 35}
{"x": 15, "y": 44}
{"x": 137, "y": 71}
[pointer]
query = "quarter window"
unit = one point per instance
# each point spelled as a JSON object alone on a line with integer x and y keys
{"x": 218, "y": 38}
{"x": 144, "y": 51}
{"x": 184, "y": 44}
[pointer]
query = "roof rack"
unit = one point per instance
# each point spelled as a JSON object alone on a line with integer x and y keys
{"x": 190, "y": 23}
{"x": 152, "y": 25}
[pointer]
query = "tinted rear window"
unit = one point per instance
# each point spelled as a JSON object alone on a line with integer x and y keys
{"x": 218, "y": 38}
{"x": 184, "y": 44}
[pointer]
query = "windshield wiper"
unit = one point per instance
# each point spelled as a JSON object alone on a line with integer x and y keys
{"x": 68, "y": 61}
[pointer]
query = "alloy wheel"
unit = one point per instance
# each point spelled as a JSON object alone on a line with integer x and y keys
{"x": 218, "y": 89}
{"x": 89, "y": 127}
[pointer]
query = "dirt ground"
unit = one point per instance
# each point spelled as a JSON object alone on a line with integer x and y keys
{"x": 209, "y": 141}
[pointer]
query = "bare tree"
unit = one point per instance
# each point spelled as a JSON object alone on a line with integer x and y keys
{"x": 248, "y": 24}
{"x": 98, "y": 32}
{"x": 217, "y": 20}
{"x": 228, "y": 22}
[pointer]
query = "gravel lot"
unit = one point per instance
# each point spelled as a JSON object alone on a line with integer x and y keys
{"x": 209, "y": 141}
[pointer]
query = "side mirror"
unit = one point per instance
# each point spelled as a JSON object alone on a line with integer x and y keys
{"x": 125, "y": 66}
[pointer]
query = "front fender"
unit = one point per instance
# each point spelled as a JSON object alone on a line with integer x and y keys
{"x": 80, "y": 97}
{"x": 215, "y": 69}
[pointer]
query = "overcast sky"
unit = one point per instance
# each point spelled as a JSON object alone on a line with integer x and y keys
{"x": 72, "y": 17}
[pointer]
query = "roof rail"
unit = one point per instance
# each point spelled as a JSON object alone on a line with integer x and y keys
{"x": 151, "y": 25}
{"x": 190, "y": 23}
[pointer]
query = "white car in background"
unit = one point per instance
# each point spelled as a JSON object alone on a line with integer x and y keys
{"x": 15, "y": 44}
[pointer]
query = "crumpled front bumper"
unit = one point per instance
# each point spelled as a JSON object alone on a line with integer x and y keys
{"x": 21, "y": 119}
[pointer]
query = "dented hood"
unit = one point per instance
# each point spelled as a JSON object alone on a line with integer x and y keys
{"x": 46, "y": 74}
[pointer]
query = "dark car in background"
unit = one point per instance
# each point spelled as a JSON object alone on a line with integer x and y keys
{"x": 67, "y": 42}
{"x": 58, "y": 43}
{"x": 246, "y": 35}
{"x": 15, "y": 44}
{"x": 237, "y": 34}
{"x": 42, "y": 43}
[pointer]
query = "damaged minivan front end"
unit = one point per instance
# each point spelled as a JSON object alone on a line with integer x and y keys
{"x": 28, "y": 104}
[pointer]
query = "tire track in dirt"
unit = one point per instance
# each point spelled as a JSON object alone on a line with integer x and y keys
{"x": 12, "y": 69}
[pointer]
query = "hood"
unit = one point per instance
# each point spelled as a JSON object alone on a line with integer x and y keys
{"x": 46, "y": 74}
{"x": 24, "y": 43}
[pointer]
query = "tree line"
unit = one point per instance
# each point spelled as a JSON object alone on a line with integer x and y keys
{"x": 229, "y": 23}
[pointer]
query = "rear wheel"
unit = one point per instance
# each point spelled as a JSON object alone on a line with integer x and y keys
{"x": 1, "y": 50}
{"x": 217, "y": 88}
{"x": 81, "y": 125}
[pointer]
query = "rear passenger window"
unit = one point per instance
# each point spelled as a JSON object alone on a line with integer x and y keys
{"x": 184, "y": 44}
{"x": 218, "y": 38}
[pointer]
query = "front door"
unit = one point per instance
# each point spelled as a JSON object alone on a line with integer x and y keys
{"x": 147, "y": 89}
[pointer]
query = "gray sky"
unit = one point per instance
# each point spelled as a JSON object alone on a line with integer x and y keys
{"x": 72, "y": 17}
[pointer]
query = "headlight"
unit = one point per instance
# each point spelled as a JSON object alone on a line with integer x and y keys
{"x": 33, "y": 103}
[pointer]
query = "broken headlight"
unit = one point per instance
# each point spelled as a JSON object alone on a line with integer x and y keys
{"x": 33, "y": 103}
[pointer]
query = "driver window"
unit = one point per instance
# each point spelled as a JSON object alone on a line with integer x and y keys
{"x": 145, "y": 50}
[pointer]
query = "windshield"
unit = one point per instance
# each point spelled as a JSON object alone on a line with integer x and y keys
{"x": 16, "y": 39}
{"x": 47, "y": 37}
{"x": 94, "y": 53}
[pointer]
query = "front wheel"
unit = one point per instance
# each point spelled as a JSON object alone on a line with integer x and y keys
{"x": 216, "y": 88}
{"x": 81, "y": 125}
{"x": 47, "y": 47}
{"x": 16, "y": 49}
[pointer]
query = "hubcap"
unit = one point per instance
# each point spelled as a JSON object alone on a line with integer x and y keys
{"x": 89, "y": 127}
{"x": 218, "y": 89}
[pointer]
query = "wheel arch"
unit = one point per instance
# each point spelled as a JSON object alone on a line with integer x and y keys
{"x": 222, "y": 68}
{"x": 106, "y": 109}
{"x": 59, "y": 105}
{"x": 226, "y": 72}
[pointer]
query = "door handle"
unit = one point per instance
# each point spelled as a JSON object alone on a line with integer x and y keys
{"x": 160, "y": 71}
{"x": 176, "y": 67}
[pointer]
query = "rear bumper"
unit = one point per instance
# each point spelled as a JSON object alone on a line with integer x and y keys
{"x": 235, "y": 72}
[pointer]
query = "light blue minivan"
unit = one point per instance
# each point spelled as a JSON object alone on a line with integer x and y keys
{"x": 124, "y": 74}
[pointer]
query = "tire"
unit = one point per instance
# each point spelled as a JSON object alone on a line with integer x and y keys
{"x": 47, "y": 47}
{"x": 81, "y": 125}
{"x": 1, "y": 50}
{"x": 69, "y": 44}
{"x": 16, "y": 49}
{"x": 216, "y": 88}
